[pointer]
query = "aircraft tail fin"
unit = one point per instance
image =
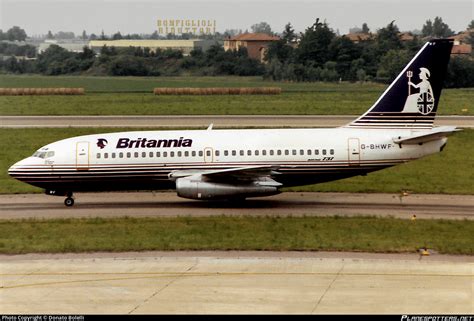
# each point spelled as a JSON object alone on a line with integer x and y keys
{"x": 411, "y": 101}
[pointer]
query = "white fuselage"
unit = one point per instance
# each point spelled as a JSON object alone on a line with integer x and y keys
{"x": 145, "y": 159}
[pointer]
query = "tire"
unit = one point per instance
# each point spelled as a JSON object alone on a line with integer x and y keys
{"x": 69, "y": 202}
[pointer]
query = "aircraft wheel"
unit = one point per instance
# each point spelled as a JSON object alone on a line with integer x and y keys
{"x": 69, "y": 202}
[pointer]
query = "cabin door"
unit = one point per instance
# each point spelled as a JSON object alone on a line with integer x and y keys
{"x": 82, "y": 156}
{"x": 354, "y": 151}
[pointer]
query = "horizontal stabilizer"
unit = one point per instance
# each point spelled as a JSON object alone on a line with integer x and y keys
{"x": 434, "y": 134}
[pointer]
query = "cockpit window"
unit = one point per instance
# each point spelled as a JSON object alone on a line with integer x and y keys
{"x": 42, "y": 154}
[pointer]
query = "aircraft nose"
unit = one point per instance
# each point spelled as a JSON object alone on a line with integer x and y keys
{"x": 16, "y": 168}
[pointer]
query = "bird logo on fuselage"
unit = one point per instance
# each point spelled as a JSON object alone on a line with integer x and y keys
{"x": 102, "y": 142}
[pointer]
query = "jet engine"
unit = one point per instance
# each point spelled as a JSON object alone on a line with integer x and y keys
{"x": 195, "y": 187}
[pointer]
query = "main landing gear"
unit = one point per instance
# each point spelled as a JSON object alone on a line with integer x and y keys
{"x": 69, "y": 201}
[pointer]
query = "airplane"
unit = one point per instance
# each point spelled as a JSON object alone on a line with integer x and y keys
{"x": 238, "y": 164}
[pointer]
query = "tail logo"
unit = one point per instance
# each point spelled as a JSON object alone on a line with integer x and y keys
{"x": 423, "y": 101}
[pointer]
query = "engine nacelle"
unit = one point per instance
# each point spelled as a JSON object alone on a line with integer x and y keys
{"x": 194, "y": 187}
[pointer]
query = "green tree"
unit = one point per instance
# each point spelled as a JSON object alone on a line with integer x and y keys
{"x": 262, "y": 27}
{"x": 117, "y": 36}
{"x": 365, "y": 28}
{"x": 436, "y": 29}
{"x": 343, "y": 52}
{"x": 16, "y": 33}
{"x": 288, "y": 35}
{"x": 314, "y": 44}
{"x": 387, "y": 38}
{"x": 392, "y": 63}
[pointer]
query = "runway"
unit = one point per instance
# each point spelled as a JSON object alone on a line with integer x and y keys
{"x": 202, "y": 121}
{"x": 235, "y": 283}
{"x": 148, "y": 204}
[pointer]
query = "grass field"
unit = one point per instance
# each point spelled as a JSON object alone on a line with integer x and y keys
{"x": 450, "y": 172}
{"x": 133, "y": 96}
{"x": 366, "y": 234}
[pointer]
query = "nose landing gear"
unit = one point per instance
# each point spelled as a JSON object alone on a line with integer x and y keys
{"x": 69, "y": 201}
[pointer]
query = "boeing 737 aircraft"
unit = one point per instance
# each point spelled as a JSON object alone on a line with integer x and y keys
{"x": 236, "y": 164}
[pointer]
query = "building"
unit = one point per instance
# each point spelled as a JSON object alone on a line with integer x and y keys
{"x": 186, "y": 46}
{"x": 69, "y": 45}
{"x": 256, "y": 44}
{"x": 461, "y": 45}
{"x": 359, "y": 37}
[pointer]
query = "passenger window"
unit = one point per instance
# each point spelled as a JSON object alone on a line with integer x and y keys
{"x": 279, "y": 152}
{"x": 287, "y": 152}
{"x": 180, "y": 154}
{"x": 301, "y": 152}
{"x": 98, "y": 155}
{"x": 249, "y": 152}
{"x": 157, "y": 154}
{"x": 241, "y": 153}
{"x": 324, "y": 152}
{"x": 256, "y": 153}
{"x": 226, "y": 153}
{"x": 165, "y": 154}
{"x": 294, "y": 151}
{"x": 234, "y": 153}
{"x": 201, "y": 154}
{"x": 151, "y": 154}
{"x": 316, "y": 152}
{"x": 121, "y": 155}
{"x": 217, "y": 153}
{"x": 331, "y": 152}
{"x": 271, "y": 152}
{"x": 171, "y": 154}
{"x": 309, "y": 152}
{"x": 113, "y": 155}
{"x": 136, "y": 154}
{"x": 208, "y": 153}
{"x": 264, "y": 152}
{"x": 129, "y": 155}
{"x": 143, "y": 154}
{"x": 193, "y": 153}
{"x": 106, "y": 155}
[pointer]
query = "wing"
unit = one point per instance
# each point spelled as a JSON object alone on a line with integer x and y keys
{"x": 262, "y": 174}
{"x": 434, "y": 134}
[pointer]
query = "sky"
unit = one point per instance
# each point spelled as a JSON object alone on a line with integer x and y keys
{"x": 140, "y": 16}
